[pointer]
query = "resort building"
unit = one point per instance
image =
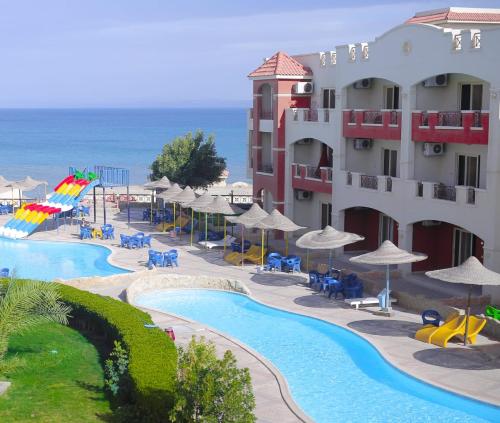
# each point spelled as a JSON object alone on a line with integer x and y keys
{"x": 396, "y": 138}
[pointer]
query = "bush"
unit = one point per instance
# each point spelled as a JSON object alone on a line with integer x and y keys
{"x": 211, "y": 390}
{"x": 116, "y": 370}
{"x": 152, "y": 355}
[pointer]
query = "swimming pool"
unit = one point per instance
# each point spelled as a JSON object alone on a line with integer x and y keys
{"x": 50, "y": 260}
{"x": 333, "y": 374}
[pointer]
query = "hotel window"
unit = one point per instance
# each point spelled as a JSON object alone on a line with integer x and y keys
{"x": 463, "y": 246}
{"x": 326, "y": 214}
{"x": 471, "y": 97}
{"x": 328, "y": 98}
{"x": 390, "y": 161}
{"x": 468, "y": 168}
{"x": 392, "y": 97}
{"x": 386, "y": 229}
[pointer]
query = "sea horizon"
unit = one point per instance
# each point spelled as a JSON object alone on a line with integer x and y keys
{"x": 44, "y": 142}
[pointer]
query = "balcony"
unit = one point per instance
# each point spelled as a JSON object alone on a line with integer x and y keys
{"x": 265, "y": 169}
{"x": 310, "y": 123}
{"x": 312, "y": 178}
{"x": 311, "y": 115}
{"x": 380, "y": 124}
{"x": 463, "y": 127}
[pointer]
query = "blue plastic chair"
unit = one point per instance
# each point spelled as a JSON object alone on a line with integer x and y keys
{"x": 291, "y": 263}
{"x": 236, "y": 246}
{"x": 274, "y": 262}
{"x": 86, "y": 210}
{"x": 155, "y": 258}
{"x": 4, "y": 273}
{"x": 170, "y": 258}
{"x": 353, "y": 287}
{"x": 135, "y": 242}
{"x": 108, "y": 232}
{"x": 124, "y": 240}
{"x": 85, "y": 232}
{"x": 431, "y": 317}
{"x": 333, "y": 286}
{"x": 146, "y": 240}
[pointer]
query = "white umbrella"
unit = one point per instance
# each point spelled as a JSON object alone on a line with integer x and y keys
{"x": 248, "y": 220}
{"x": 470, "y": 272}
{"x": 385, "y": 255}
{"x": 327, "y": 238}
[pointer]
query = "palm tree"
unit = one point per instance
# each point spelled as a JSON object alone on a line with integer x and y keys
{"x": 25, "y": 304}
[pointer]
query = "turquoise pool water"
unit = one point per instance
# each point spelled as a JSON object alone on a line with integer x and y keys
{"x": 50, "y": 260}
{"x": 333, "y": 374}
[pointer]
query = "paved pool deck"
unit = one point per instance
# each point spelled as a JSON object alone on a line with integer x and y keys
{"x": 473, "y": 371}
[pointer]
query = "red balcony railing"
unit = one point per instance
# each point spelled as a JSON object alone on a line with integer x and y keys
{"x": 380, "y": 124}
{"x": 463, "y": 127}
{"x": 312, "y": 178}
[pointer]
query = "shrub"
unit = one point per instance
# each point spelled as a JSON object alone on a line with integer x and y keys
{"x": 116, "y": 370}
{"x": 211, "y": 390}
{"x": 152, "y": 355}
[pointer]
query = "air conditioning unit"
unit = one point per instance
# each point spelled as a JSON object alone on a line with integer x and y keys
{"x": 303, "y": 88}
{"x": 363, "y": 143}
{"x": 302, "y": 195}
{"x": 437, "y": 81}
{"x": 428, "y": 223}
{"x": 306, "y": 141}
{"x": 433, "y": 149}
{"x": 363, "y": 83}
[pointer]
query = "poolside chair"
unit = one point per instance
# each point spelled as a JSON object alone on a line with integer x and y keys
{"x": 124, "y": 240}
{"x": 353, "y": 287}
{"x": 291, "y": 264}
{"x": 170, "y": 258}
{"x": 492, "y": 312}
{"x": 332, "y": 285}
{"x": 442, "y": 334}
{"x": 274, "y": 262}
{"x": 254, "y": 254}
{"x": 135, "y": 241}
{"x": 85, "y": 232}
{"x": 431, "y": 317}
{"x": 108, "y": 232}
{"x": 155, "y": 258}
{"x": 236, "y": 246}
{"x": 180, "y": 222}
{"x": 476, "y": 325}
{"x": 216, "y": 244}
{"x": 4, "y": 273}
{"x": 146, "y": 240}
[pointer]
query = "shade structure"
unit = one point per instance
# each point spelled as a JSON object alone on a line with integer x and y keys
{"x": 220, "y": 206}
{"x": 279, "y": 222}
{"x": 185, "y": 197}
{"x": 199, "y": 204}
{"x": 170, "y": 193}
{"x": 470, "y": 272}
{"x": 163, "y": 183}
{"x": 327, "y": 238}
{"x": 248, "y": 220}
{"x": 385, "y": 255}
{"x": 5, "y": 182}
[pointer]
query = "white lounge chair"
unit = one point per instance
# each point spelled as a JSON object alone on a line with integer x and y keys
{"x": 218, "y": 244}
{"x": 356, "y": 302}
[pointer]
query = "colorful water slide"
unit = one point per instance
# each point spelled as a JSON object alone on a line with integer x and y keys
{"x": 65, "y": 197}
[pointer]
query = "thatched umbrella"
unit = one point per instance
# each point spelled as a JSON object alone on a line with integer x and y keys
{"x": 326, "y": 239}
{"x": 163, "y": 183}
{"x": 220, "y": 206}
{"x": 248, "y": 220}
{"x": 470, "y": 272}
{"x": 169, "y": 194}
{"x": 386, "y": 255}
{"x": 198, "y": 205}
{"x": 186, "y": 196}
{"x": 279, "y": 222}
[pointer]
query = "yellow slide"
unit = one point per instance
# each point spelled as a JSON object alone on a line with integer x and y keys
{"x": 427, "y": 333}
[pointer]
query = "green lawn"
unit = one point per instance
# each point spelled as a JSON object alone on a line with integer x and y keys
{"x": 62, "y": 380}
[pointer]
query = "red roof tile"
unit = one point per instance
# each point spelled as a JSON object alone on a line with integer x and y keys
{"x": 281, "y": 64}
{"x": 457, "y": 15}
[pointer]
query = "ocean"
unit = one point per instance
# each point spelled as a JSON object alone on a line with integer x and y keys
{"x": 43, "y": 143}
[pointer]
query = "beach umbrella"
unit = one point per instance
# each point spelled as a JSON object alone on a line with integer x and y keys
{"x": 169, "y": 194}
{"x": 248, "y": 220}
{"x": 27, "y": 184}
{"x": 279, "y": 222}
{"x": 199, "y": 205}
{"x": 163, "y": 183}
{"x": 385, "y": 255}
{"x": 186, "y": 196}
{"x": 328, "y": 238}
{"x": 220, "y": 206}
{"x": 470, "y": 272}
{"x": 4, "y": 182}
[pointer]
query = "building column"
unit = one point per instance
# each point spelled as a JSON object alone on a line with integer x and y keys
{"x": 405, "y": 241}
{"x": 407, "y": 152}
{"x": 289, "y": 200}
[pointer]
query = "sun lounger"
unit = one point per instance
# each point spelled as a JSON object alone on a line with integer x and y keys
{"x": 219, "y": 243}
{"x": 476, "y": 325}
{"x": 180, "y": 222}
{"x": 442, "y": 334}
{"x": 356, "y": 302}
{"x": 233, "y": 258}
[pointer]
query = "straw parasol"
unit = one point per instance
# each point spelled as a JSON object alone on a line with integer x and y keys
{"x": 186, "y": 196}
{"x": 385, "y": 255}
{"x": 248, "y": 220}
{"x": 163, "y": 183}
{"x": 279, "y": 222}
{"x": 470, "y": 272}
{"x": 199, "y": 204}
{"x": 327, "y": 238}
{"x": 220, "y": 206}
{"x": 170, "y": 194}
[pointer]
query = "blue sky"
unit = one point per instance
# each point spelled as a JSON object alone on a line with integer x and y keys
{"x": 139, "y": 53}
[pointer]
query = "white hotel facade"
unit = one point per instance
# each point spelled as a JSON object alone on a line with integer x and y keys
{"x": 396, "y": 138}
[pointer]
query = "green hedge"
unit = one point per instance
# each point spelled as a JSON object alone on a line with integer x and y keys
{"x": 152, "y": 354}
